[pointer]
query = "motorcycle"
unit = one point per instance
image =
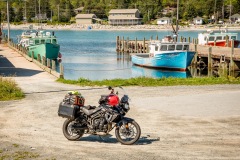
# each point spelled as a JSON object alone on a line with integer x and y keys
{"x": 99, "y": 120}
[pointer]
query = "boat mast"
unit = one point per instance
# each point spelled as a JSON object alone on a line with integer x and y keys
{"x": 177, "y": 18}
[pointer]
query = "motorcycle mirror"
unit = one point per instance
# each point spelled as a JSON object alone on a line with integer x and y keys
{"x": 109, "y": 87}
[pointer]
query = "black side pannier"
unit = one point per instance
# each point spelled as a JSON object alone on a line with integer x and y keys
{"x": 66, "y": 110}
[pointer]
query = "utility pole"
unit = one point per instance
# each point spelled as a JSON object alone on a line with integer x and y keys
{"x": 8, "y": 21}
{"x": 39, "y": 11}
{"x": 25, "y": 10}
{"x": 230, "y": 12}
{"x": 215, "y": 17}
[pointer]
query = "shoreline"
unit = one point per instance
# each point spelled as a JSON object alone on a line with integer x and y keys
{"x": 98, "y": 27}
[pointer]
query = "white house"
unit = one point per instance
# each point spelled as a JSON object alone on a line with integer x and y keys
{"x": 164, "y": 20}
{"x": 198, "y": 21}
{"x": 235, "y": 18}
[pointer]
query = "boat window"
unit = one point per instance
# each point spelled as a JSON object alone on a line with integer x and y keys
{"x": 31, "y": 42}
{"x": 234, "y": 37}
{"x": 163, "y": 47}
{"x": 156, "y": 48}
{"x": 171, "y": 47}
{"x": 54, "y": 41}
{"x": 224, "y": 37}
{"x": 37, "y": 41}
{"x": 179, "y": 47}
{"x": 42, "y": 41}
{"x": 219, "y": 38}
{"x": 48, "y": 40}
{"x": 186, "y": 47}
{"x": 211, "y": 39}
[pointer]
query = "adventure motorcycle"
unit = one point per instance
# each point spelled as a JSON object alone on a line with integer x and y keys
{"x": 98, "y": 120}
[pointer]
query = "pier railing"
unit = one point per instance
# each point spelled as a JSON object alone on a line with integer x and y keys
{"x": 46, "y": 64}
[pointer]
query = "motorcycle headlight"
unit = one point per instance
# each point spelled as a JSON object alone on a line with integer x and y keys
{"x": 126, "y": 107}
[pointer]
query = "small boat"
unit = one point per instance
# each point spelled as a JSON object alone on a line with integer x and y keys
{"x": 166, "y": 54}
{"x": 218, "y": 38}
{"x": 40, "y": 42}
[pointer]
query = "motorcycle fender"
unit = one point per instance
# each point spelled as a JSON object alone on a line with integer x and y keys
{"x": 124, "y": 121}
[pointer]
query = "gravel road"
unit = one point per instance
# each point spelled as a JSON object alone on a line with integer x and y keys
{"x": 178, "y": 122}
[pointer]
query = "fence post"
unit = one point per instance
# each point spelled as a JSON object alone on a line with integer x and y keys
{"x": 210, "y": 57}
{"x": 32, "y": 55}
{"x": 61, "y": 71}
{"x": 53, "y": 65}
{"x": 48, "y": 63}
{"x": 144, "y": 46}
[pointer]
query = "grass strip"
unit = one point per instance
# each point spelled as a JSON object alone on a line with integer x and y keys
{"x": 9, "y": 90}
{"x": 145, "y": 81}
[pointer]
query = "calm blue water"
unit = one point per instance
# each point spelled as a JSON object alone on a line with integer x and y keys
{"x": 91, "y": 54}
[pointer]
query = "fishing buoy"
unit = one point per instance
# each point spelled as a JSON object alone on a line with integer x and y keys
{"x": 59, "y": 55}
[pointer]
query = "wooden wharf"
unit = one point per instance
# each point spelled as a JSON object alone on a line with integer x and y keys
{"x": 210, "y": 56}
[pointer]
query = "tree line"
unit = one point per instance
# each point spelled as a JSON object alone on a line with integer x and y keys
{"x": 63, "y": 10}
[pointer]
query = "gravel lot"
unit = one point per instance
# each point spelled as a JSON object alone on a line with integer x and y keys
{"x": 179, "y": 122}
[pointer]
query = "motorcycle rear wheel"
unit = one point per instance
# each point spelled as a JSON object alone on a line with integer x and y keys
{"x": 128, "y": 135}
{"x": 69, "y": 132}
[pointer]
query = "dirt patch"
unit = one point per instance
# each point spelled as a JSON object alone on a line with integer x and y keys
{"x": 171, "y": 129}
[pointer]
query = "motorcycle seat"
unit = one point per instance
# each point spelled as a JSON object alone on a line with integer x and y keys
{"x": 88, "y": 110}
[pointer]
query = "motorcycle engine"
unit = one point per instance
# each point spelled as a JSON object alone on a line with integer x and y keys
{"x": 100, "y": 125}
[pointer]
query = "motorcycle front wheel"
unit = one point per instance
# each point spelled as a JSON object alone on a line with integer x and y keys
{"x": 128, "y": 133}
{"x": 69, "y": 132}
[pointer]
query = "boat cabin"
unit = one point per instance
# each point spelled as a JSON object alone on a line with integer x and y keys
{"x": 204, "y": 38}
{"x": 30, "y": 38}
{"x": 162, "y": 47}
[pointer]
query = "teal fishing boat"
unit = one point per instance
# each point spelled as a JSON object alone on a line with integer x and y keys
{"x": 40, "y": 42}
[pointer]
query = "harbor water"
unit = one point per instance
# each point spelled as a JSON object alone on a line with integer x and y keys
{"x": 92, "y": 54}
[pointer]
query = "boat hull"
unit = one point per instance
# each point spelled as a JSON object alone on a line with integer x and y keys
{"x": 173, "y": 60}
{"x": 48, "y": 50}
{"x": 224, "y": 43}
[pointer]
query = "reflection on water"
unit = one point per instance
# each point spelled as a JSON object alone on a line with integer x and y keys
{"x": 158, "y": 73}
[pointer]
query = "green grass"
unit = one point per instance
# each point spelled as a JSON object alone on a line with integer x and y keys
{"x": 9, "y": 90}
{"x": 144, "y": 81}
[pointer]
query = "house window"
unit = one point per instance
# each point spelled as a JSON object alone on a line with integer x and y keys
{"x": 156, "y": 48}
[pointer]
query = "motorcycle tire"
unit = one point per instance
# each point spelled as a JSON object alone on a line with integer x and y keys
{"x": 68, "y": 131}
{"x": 130, "y": 135}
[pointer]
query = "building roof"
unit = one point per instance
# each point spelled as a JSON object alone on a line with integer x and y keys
{"x": 123, "y": 11}
{"x": 85, "y": 16}
{"x": 198, "y": 18}
{"x": 122, "y": 17}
